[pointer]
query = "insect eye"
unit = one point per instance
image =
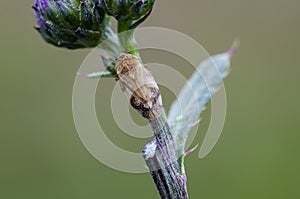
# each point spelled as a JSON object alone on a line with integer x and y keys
{"x": 145, "y": 108}
{"x": 136, "y": 103}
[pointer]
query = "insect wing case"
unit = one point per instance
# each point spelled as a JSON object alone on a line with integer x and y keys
{"x": 139, "y": 86}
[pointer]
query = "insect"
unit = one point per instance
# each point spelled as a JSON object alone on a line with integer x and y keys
{"x": 139, "y": 86}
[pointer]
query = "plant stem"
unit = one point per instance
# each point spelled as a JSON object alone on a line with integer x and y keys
{"x": 161, "y": 154}
{"x": 126, "y": 38}
{"x": 162, "y": 160}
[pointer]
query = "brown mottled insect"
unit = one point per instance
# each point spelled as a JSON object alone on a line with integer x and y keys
{"x": 139, "y": 85}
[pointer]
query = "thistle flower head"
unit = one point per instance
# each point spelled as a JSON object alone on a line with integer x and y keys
{"x": 70, "y": 23}
{"x": 127, "y": 9}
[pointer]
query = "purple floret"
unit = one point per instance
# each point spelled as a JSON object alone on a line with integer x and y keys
{"x": 40, "y": 6}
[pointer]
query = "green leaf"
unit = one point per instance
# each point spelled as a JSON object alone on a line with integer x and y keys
{"x": 196, "y": 93}
{"x": 98, "y": 74}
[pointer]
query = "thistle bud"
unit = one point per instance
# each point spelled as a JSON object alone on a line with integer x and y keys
{"x": 127, "y": 9}
{"x": 70, "y": 23}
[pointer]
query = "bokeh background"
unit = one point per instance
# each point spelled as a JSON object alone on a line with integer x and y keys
{"x": 257, "y": 156}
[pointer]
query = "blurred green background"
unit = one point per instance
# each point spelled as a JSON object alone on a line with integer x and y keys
{"x": 257, "y": 155}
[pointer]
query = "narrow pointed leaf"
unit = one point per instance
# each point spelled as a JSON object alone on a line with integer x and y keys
{"x": 196, "y": 93}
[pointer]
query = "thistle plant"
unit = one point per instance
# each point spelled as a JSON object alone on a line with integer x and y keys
{"x": 76, "y": 24}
